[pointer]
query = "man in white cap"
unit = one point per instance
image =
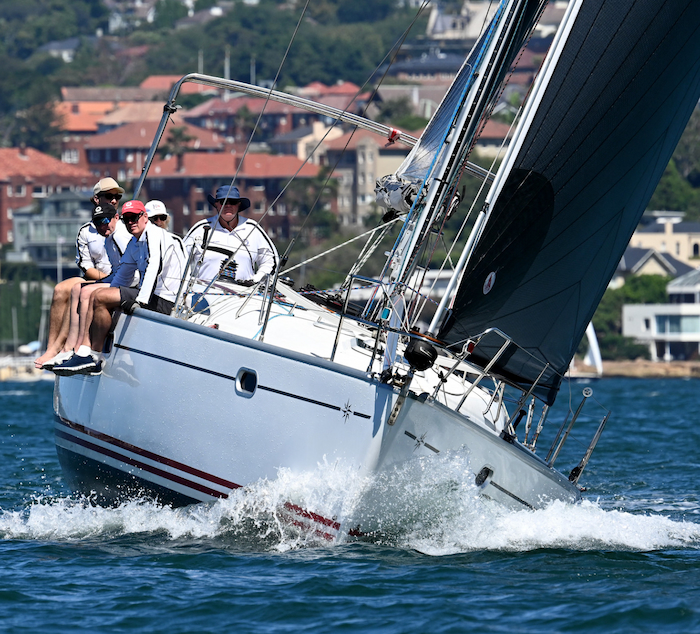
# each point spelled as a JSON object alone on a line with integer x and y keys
{"x": 158, "y": 214}
{"x": 92, "y": 260}
{"x": 254, "y": 253}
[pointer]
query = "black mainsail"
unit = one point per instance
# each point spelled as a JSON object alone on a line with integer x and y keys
{"x": 580, "y": 171}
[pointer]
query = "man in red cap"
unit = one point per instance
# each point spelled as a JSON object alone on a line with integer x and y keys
{"x": 159, "y": 258}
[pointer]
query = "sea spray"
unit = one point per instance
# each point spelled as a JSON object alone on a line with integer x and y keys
{"x": 430, "y": 505}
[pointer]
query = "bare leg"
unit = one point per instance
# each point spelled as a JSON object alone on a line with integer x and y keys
{"x": 80, "y": 315}
{"x": 59, "y": 313}
{"x": 103, "y": 302}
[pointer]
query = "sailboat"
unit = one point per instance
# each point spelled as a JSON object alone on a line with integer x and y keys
{"x": 592, "y": 359}
{"x": 241, "y": 382}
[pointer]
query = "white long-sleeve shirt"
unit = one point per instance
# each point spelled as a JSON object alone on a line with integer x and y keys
{"x": 255, "y": 254}
{"x": 90, "y": 250}
{"x": 159, "y": 258}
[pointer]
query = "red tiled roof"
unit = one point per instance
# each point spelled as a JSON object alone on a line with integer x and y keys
{"x": 110, "y": 93}
{"x": 232, "y": 106}
{"x": 280, "y": 166}
{"x": 166, "y": 82}
{"x": 140, "y": 134}
{"x": 256, "y": 104}
{"x": 224, "y": 164}
{"x": 87, "y": 115}
{"x": 495, "y": 130}
{"x": 352, "y": 143}
{"x": 35, "y": 164}
{"x": 134, "y": 111}
{"x": 343, "y": 88}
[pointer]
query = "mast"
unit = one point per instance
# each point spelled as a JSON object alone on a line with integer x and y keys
{"x": 487, "y": 76}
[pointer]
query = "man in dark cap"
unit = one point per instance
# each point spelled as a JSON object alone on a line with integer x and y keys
{"x": 92, "y": 260}
{"x": 254, "y": 253}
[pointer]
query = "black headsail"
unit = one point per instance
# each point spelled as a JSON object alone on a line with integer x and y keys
{"x": 581, "y": 169}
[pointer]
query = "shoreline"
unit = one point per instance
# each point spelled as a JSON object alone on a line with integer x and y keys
{"x": 644, "y": 369}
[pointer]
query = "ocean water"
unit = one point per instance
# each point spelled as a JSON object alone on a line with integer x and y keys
{"x": 627, "y": 559}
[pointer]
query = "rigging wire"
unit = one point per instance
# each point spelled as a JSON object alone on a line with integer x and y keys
{"x": 395, "y": 48}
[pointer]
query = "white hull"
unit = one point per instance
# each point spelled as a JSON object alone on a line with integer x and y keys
{"x": 176, "y": 415}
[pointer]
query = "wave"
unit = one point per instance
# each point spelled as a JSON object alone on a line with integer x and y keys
{"x": 428, "y": 505}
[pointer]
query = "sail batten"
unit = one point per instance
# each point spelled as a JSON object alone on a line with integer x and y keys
{"x": 609, "y": 110}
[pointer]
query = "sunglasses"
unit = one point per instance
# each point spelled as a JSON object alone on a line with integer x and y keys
{"x": 158, "y": 218}
{"x": 131, "y": 217}
{"x": 108, "y": 196}
{"x": 102, "y": 222}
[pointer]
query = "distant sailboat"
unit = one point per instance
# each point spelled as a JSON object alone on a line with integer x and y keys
{"x": 591, "y": 359}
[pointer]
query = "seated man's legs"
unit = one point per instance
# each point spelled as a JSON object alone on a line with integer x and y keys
{"x": 103, "y": 304}
{"x": 80, "y": 316}
{"x": 86, "y": 359}
{"x": 58, "y": 319}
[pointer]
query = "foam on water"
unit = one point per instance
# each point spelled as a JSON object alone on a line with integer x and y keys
{"x": 428, "y": 504}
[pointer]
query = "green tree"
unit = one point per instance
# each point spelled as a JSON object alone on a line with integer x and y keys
{"x": 176, "y": 144}
{"x": 607, "y": 321}
{"x": 20, "y": 293}
{"x": 675, "y": 193}
{"x": 38, "y": 127}
{"x": 687, "y": 153}
{"x": 168, "y": 12}
{"x": 314, "y": 196}
{"x": 365, "y": 10}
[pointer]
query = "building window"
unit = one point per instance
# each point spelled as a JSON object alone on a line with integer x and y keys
{"x": 122, "y": 155}
{"x": 677, "y": 324}
{"x": 678, "y": 248}
{"x": 696, "y": 250}
{"x": 39, "y": 191}
{"x": 185, "y": 209}
{"x": 70, "y": 156}
{"x": 258, "y": 206}
{"x": 10, "y": 214}
{"x": 647, "y": 324}
{"x": 200, "y": 208}
{"x": 156, "y": 184}
{"x": 282, "y": 209}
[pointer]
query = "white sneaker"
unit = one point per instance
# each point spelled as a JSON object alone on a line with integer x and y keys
{"x": 59, "y": 358}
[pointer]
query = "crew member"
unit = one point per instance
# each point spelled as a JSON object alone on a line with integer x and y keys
{"x": 254, "y": 253}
